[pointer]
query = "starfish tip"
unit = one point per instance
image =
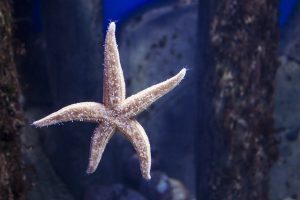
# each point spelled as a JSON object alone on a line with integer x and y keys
{"x": 90, "y": 170}
{"x": 183, "y": 71}
{"x": 181, "y": 74}
{"x": 147, "y": 176}
{"x": 35, "y": 123}
{"x": 112, "y": 27}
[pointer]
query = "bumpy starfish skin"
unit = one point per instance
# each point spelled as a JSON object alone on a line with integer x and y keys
{"x": 116, "y": 112}
{"x": 100, "y": 138}
{"x": 114, "y": 84}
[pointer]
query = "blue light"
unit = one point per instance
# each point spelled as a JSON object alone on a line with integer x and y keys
{"x": 286, "y": 8}
{"x": 116, "y": 10}
{"x": 36, "y": 15}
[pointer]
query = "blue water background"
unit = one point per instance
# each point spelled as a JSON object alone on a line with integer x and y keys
{"x": 118, "y": 10}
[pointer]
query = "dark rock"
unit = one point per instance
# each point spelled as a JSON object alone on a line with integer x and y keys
{"x": 132, "y": 166}
{"x": 179, "y": 191}
{"x": 163, "y": 187}
{"x": 47, "y": 184}
{"x": 158, "y": 187}
{"x": 285, "y": 151}
{"x": 132, "y": 169}
{"x": 113, "y": 192}
{"x": 292, "y": 134}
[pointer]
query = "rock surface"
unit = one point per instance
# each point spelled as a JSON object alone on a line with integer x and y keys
{"x": 154, "y": 46}
{"x": 163, "y": 187}
{"x": 46, "y": 184}
{"x": 112, "y": 192}
{"x": 285, "y": 175}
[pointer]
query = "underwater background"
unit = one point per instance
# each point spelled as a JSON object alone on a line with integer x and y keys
{"x": 62, "y": 63}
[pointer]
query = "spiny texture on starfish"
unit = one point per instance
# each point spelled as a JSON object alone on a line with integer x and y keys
{"x": 116, "y": 112}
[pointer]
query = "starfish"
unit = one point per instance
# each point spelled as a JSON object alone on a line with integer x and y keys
{"x": 116, "y": 112}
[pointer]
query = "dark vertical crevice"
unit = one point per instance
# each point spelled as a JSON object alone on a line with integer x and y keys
{"x": 208, "y": 142}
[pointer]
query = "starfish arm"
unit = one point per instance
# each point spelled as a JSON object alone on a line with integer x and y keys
{"x": 135, "y": 104}
{"x": 85, "y": 111}
{"x": 100, "y": 138}
{"x": 135, "y": 133}
{"x": 114, "y": 84}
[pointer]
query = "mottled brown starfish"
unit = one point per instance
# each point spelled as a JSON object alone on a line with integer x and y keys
{"x": 116, "y": 112}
